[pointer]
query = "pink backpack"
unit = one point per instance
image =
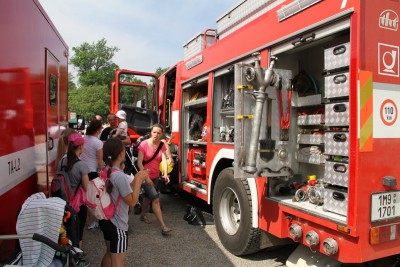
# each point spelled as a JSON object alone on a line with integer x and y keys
{"x": 99, "y": 202}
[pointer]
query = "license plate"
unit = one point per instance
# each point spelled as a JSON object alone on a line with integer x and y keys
{"x": 385, "y": 206}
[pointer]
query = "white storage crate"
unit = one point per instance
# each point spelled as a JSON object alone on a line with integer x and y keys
{"x": 336, "y": 173}
{"x": 196, "y": 44}
{"x": 316, "y": 119}
{"x": 337, "y": 85}
{"x": 312, "y": 139}
{"x": 337, "y": 143}
{"x": 337, "y": 114}
{"x": 243, "y": 13}
{"x": 335, "y": 200}
{"x": 337, "y": 56}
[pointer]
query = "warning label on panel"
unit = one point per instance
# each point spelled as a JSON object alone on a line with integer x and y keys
{"x": 386, "y": 107}
{"x": 388, "y": 112}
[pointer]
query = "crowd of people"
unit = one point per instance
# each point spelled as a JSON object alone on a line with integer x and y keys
{"x": 108, "y": 150}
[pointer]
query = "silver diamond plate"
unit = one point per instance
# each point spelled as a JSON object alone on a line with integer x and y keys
{"x": 312, "y": 139}
{"x": 310, "y": 119}
{"x": 333, "y": 117}
{"x": 337, "y": 85}
{"x": 313, "y": 158}
{"x": 334, "y": 147}
{"x": 334, "y": 59}
{"x": 331, "y": 202}
{"x": 336, "y": 173}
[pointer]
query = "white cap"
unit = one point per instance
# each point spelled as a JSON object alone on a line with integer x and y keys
{"x": 121, "y": 114}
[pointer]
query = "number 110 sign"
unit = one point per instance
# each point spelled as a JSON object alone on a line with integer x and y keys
{"x": 388, "y": 112}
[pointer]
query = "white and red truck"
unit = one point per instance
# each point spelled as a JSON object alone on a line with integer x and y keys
{"x": 34, "y": 110}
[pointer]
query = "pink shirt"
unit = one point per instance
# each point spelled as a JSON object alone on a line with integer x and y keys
{"x": 154, "y": 165}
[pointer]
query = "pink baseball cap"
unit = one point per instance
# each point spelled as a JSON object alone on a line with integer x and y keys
{"x": 76, "y": 139}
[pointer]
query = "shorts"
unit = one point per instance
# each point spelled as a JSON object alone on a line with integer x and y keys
{"x": 151, "y": 191}
{"x": 118, "y": 238}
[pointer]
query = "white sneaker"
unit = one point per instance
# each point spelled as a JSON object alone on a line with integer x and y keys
{"x": 92, "y": 225}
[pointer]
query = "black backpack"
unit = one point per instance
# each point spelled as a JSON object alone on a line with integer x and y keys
{"x": 71, "y": 225}
{"x": 61, "y": 185}
{"x": 196, "y": 216}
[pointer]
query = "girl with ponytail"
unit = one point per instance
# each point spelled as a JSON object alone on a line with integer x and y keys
{"x": 115, "y": 230}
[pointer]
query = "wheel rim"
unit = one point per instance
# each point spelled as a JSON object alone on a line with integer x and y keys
{"x": 229, "y": 208}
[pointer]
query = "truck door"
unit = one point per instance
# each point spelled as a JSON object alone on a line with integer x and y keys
{"x": 133, "y": 94}
{"x": 52, "y": 112}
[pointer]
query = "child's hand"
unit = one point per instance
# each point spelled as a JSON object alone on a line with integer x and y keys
{"x": 142, "y": 175}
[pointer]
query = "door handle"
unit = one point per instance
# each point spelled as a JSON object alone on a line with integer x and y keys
{"x": 50, "y": 143}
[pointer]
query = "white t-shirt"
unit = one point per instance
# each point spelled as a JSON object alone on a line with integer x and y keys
{"x": 89, "y": 155}
{"x": 122, "y": 129}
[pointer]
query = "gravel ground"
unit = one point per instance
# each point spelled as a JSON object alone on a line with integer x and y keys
{"x": 187, "y": 245}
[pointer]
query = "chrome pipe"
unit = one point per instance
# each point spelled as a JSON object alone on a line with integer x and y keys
{"x": 262, "y": 83}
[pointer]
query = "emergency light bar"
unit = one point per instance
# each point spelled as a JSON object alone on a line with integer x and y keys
{"x": 295, "y": 7}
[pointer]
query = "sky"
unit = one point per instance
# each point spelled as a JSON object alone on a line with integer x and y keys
{"x": 149, "y": 33}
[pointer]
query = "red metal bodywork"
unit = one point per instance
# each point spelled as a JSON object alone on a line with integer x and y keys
{"x": 115, "y": 89}
{"x": 31, "y": 51}
{"x": 367, "y": 169}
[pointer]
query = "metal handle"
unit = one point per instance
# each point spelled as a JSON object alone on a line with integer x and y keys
{"x": 339, "y": 168}
{"x": 338, "y": 196}
{"x": 304, "y": 39}
{"x": 339, "y": 108}
{"x": 341, "y": 78}
{"x": 340, "y": 137}
{"x": 341, "y": 49}
{"x": 50, "y": 143}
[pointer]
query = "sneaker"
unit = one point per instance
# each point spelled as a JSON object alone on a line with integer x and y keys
{"x": 93, "y": 225}
{"x": 83, "y": 263}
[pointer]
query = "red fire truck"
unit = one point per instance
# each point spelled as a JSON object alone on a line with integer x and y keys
{"x": 33, "y": 84}
{"x": 285, "y": 120}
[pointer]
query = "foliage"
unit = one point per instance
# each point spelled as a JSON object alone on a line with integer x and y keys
{"x": 90, "y": 100}
{"x": 159, "y": 71}
{"x": 71, "y": 83}
{"x": 95, "y": 72}
{"x": 94, "y": 63}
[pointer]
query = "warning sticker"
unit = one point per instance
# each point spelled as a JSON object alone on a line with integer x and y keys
{"x": 386, "y": 105}
{"x": 388, "y": 112}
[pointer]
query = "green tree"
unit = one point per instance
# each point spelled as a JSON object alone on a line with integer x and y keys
{"x": 90, "y": 100}
{"x": 94, "y": 63}
{"x": 71, "y": 83}
{"x": 159, "y": 71}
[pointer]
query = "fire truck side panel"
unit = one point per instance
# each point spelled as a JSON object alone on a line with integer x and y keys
{"x": 26, "y": 168}
{"x": 350, "y": 52}
{"x": 378, "y": 127}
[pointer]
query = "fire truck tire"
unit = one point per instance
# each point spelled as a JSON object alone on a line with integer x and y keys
{"x": 232, "y": 208}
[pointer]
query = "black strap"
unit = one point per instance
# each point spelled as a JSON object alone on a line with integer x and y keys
{"x": 155, "y": 154}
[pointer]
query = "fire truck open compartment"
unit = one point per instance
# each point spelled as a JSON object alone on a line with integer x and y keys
{"x": 195, "y": 98}
{"x": 223, "y": 107}
{"x": 319, "y": 185}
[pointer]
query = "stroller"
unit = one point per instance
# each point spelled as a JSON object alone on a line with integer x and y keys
{"x": 39, "y": 224}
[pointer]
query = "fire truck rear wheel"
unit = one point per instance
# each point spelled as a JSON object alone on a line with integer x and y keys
{"x": 233, "y": 216}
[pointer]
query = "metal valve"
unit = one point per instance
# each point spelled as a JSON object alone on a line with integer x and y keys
{"x": 295, "y": 231}
{"x": 330, "y": 246}
{"x": 312, "y": 238}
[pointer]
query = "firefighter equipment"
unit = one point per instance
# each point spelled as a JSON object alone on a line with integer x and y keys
{"x": 197, "y": 164}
